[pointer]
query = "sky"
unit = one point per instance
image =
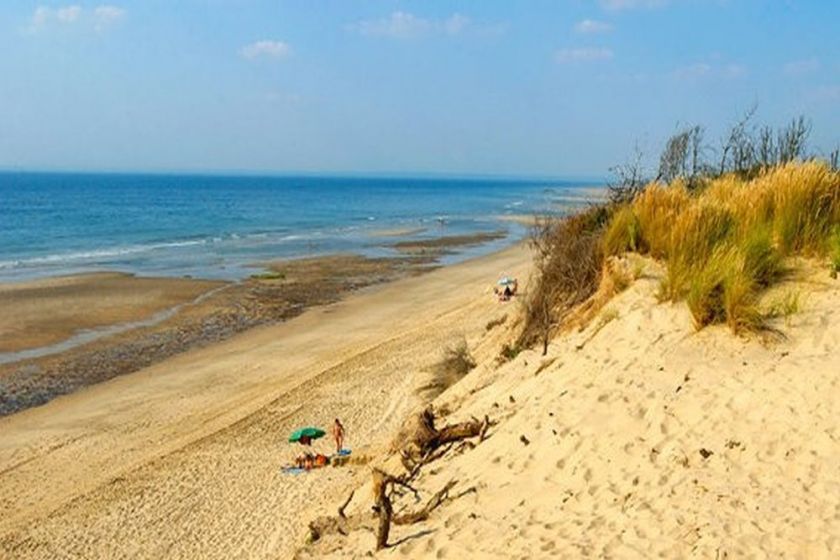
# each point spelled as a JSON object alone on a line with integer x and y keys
{"x": 554, "y": 88}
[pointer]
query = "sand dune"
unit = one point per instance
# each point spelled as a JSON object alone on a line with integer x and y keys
{"x": 183, "y": 459}
{"x": 643, "y": 439}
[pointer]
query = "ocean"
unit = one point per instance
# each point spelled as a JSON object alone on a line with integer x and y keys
{"x": 222, "y": 226}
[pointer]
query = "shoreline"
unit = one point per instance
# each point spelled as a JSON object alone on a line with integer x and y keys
{"x": 94, "y": 451}
{"x": 88, "y": 346}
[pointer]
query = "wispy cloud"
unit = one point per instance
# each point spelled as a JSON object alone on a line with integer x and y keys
{"x": 801, "y": 67}
{"x": 265, "y": 48}
{"x": 106, "y": 16}
{"x": 98, "y": 18}
{"x": 618, "y": 5}
{"x": 582, "y": 54}
{"x": 693, "y": 71}
{"x": 593, "y": 26}
{"x": 704, "y": 70}
{"x": 404, "y": 25}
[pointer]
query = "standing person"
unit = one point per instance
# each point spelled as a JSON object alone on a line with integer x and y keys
{"x": 338, "y": 435}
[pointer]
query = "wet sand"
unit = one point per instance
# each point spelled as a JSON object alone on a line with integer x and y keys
{"x": 44, "y": 312}
{"x": 53, "y": 311}
{"x": 438, "y": 246}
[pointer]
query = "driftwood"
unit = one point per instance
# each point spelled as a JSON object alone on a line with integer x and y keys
{"x": 383, "y": 488}
{"x": 431, "y": 505}
{"x": 422, "y": 443}
{"x": 420, "y": 438}
{"x": 382, "y": 506}
{"x": 346, "y": 503}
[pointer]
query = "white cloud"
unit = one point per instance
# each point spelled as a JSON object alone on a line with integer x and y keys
{"x": 593, "y": 26}
{"x": 98, "y": 18}
{"x": 41, "y": 16}
{"x": 801, "y": 67}
{"x": 618, "y": 5}
{"x": 44, "y": 16}
{"x": 404, "y": 25}
{"x": 105, "y": 16}
{"x": 272, "y": 49}
{"x": 399, "y": 25}
{"x": 582, "y": 54}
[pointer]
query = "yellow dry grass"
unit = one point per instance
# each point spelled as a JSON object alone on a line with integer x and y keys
{"x": 724, "y": 244}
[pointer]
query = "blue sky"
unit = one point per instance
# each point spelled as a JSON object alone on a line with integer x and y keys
{"x": 548, "y": 88}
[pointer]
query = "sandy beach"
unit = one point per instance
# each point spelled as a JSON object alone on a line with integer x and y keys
{"x": 182, "y": 459}
{"x": 635, "y": 436}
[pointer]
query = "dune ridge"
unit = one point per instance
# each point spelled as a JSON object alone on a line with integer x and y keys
{"x": 638, "y": 437}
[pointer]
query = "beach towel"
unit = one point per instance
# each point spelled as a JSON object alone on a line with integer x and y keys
{"x": 292, "y": 470}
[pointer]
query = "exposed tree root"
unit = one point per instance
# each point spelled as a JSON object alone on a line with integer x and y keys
{"x": 423, "y": 444}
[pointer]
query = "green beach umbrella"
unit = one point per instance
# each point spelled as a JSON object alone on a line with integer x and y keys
{"x": 309, "y": 432}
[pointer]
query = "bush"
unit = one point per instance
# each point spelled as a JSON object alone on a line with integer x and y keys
{"x": 455, "y": 363}
{"x": 568, "y": 262}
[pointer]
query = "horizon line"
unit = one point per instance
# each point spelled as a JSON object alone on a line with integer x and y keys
{"x": 299, "y": 173}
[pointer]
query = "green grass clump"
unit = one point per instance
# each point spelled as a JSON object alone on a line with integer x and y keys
{"x": 269, "y": 275}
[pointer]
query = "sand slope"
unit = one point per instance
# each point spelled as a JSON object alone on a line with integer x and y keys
{"x": 645, "y": 440}
{"x": 181, "y": 460}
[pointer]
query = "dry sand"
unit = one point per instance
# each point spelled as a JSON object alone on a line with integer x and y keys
{"x": 182, "y": 459}
{"x": 641, "y": 438}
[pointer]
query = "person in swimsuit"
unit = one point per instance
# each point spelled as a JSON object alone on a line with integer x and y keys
{"x": 338, "y": 435}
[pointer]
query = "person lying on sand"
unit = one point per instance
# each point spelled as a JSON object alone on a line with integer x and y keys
{"x": 309, "y": 461}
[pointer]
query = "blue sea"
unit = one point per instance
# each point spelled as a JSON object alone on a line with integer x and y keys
{"x": 224, "y": 226}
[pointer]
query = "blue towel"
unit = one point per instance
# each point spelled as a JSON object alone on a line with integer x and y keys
{"x": 344, "y": 452}
{"x": 292, "y": 470}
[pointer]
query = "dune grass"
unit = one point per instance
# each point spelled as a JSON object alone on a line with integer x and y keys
{"x": 723, "y": 245}
{"x": 455, "y": 363}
